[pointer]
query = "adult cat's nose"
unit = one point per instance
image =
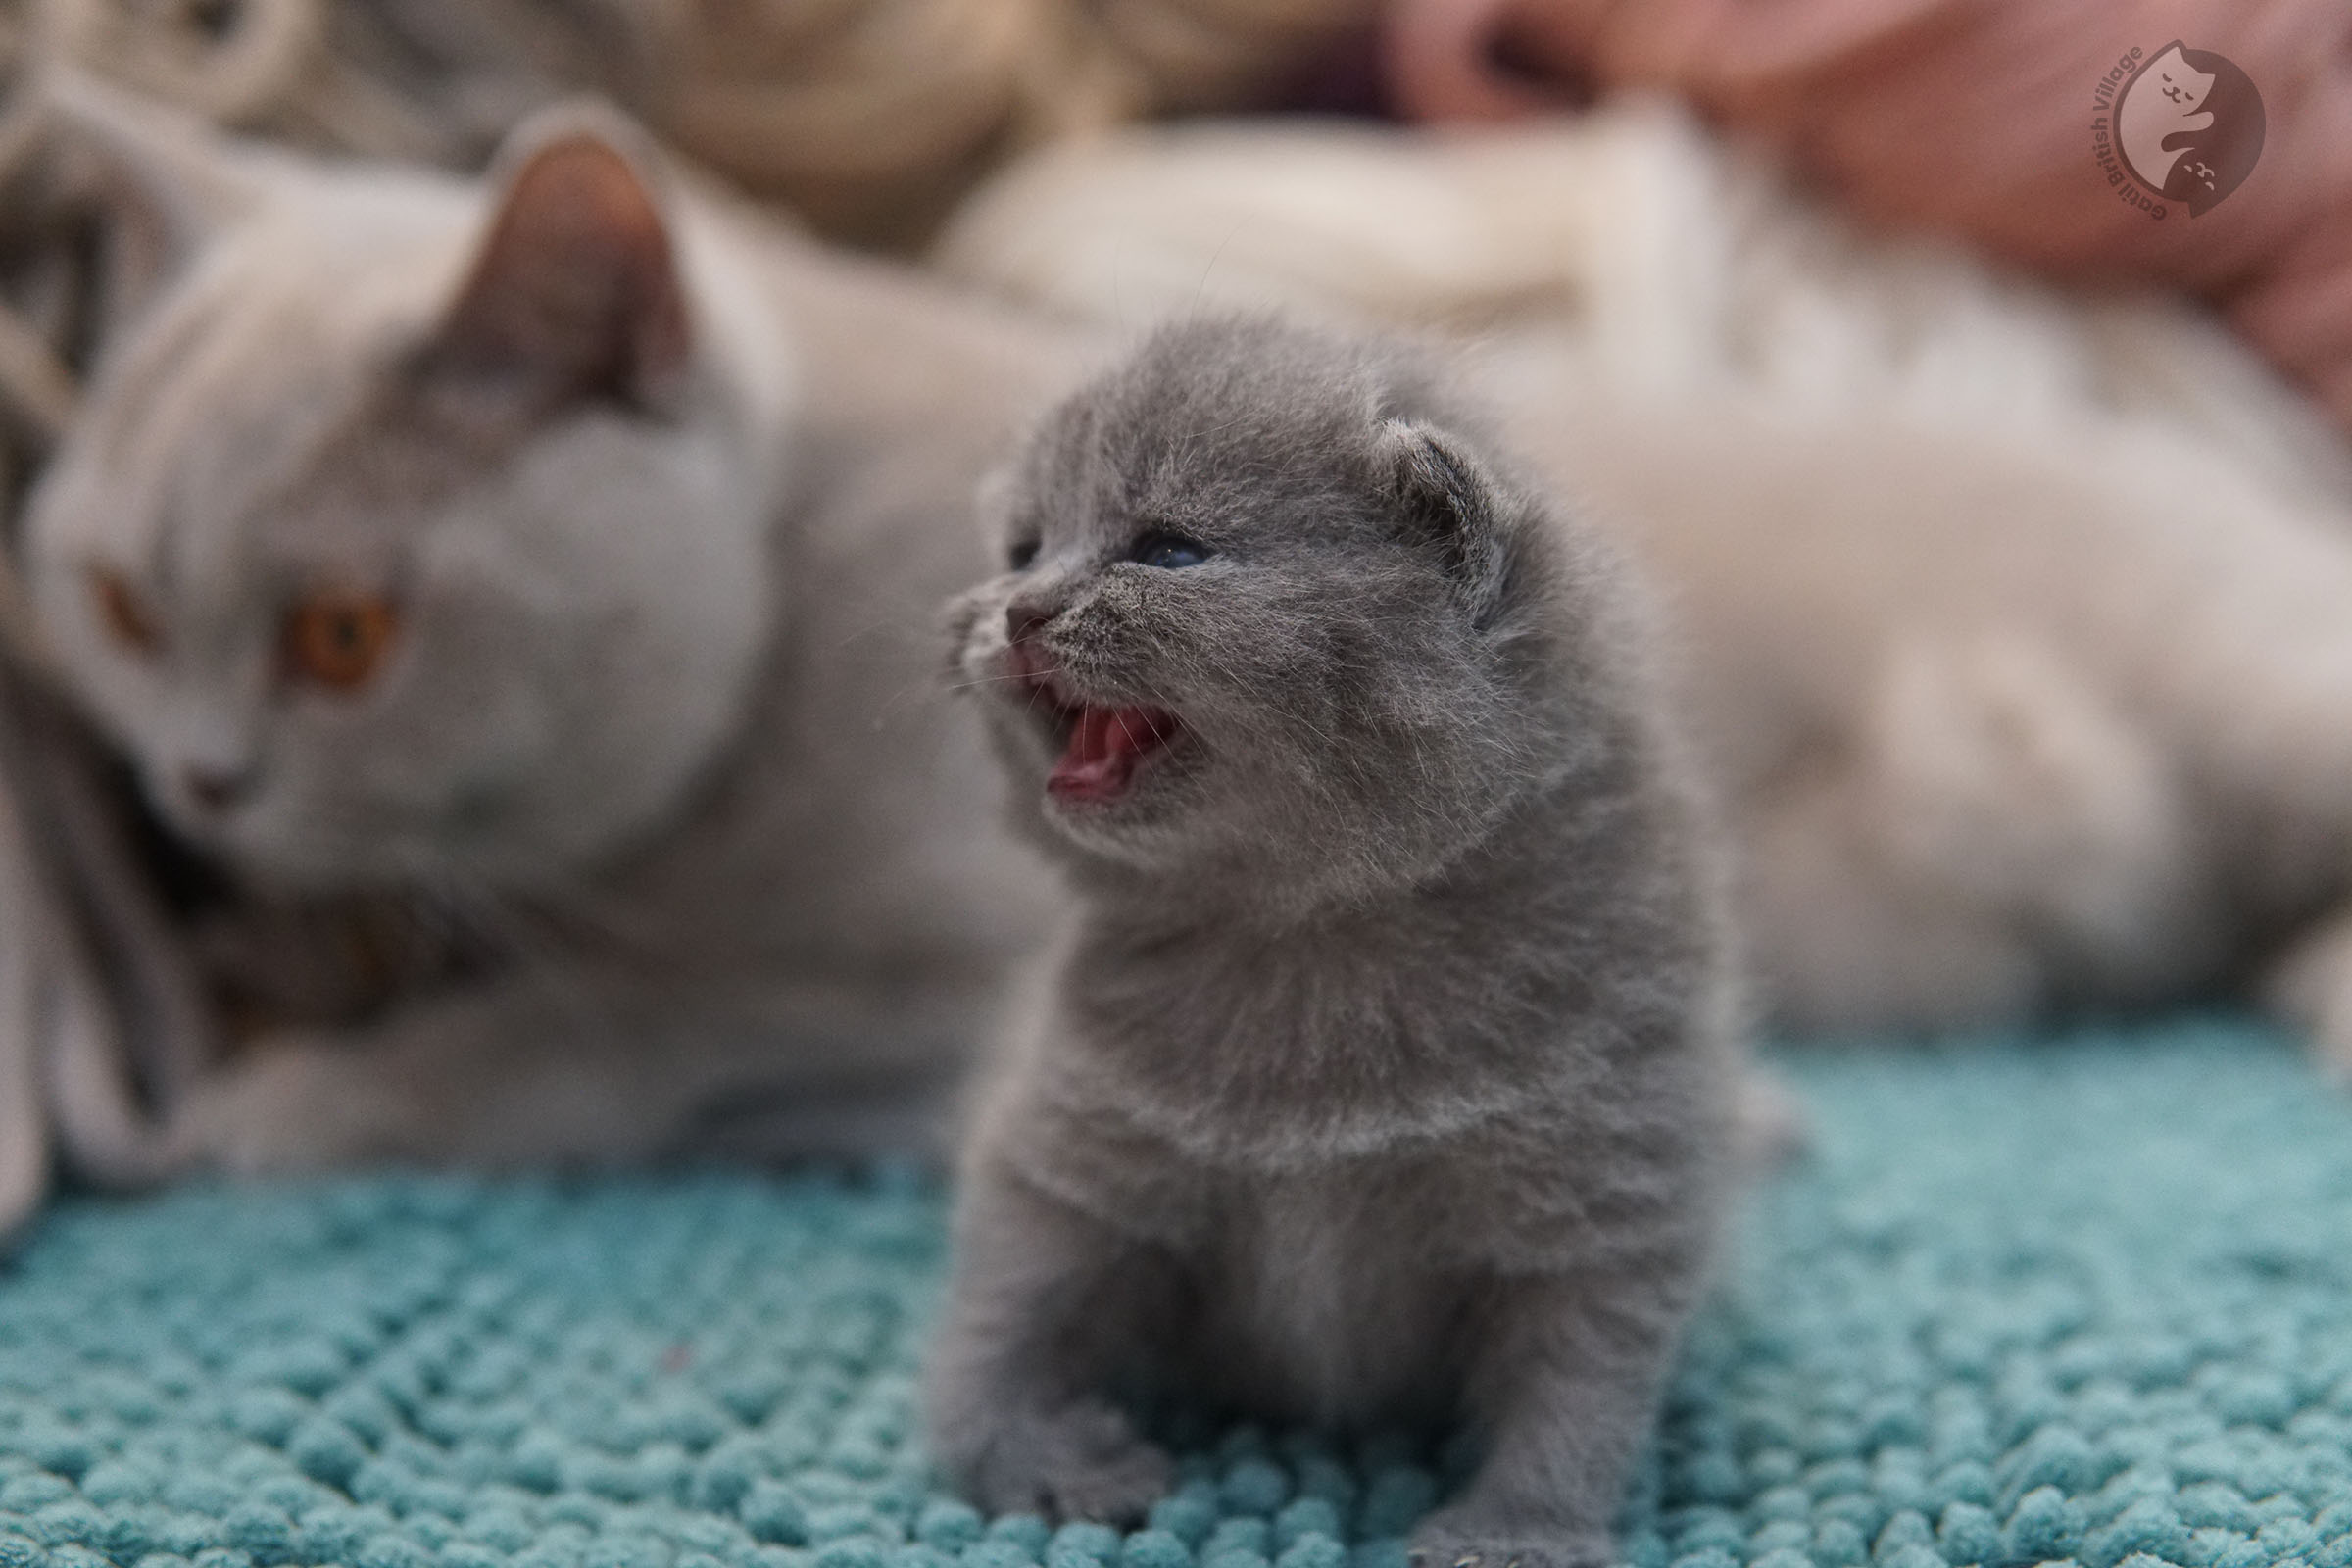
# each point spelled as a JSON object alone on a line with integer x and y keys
{"x": 215, "y": 789}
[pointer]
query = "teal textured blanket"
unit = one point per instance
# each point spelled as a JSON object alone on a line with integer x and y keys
{"x": 2084, "y": 1298}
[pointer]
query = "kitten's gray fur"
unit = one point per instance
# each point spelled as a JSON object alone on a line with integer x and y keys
{"x": 668, "y": 495}
{"x": 1386, "y": 1070}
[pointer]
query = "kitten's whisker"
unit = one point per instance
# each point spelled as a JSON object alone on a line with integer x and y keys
{"x": 982, "y": 680}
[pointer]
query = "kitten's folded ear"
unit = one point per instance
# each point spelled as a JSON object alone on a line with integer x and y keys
{"x": 574, "y": 293}
{"x": 1451, "y": 502}
{"x": 164, "y": 184}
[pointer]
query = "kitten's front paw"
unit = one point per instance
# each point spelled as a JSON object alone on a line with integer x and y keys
{"x": 1456, "y": 1539}
{"x": 1083, "y": 1461}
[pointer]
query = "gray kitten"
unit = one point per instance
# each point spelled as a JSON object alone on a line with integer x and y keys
{"x": 1386, "y": 1071}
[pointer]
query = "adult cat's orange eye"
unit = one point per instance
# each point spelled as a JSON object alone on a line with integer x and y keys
{"x": 123, "y": 613}
{"x": 339, "y": 640}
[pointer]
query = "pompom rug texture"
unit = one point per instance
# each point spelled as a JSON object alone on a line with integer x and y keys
{"x": 2087, "y": 1298}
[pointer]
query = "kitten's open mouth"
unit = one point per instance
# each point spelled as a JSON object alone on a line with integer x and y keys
{"x": 1100, "y": 747}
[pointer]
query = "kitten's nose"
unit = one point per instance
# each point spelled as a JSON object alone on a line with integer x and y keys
{"x": 1024, "y": 622}
{"x": 215, "y": 789}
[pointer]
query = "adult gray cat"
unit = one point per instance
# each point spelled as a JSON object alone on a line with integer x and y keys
{"x": 1387, "y": 1069}
{"x": 558, "y": 551}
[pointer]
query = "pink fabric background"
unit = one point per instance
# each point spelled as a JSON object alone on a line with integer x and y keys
{"x": 1968, "y": 118}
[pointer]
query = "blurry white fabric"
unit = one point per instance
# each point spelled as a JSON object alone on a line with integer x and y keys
{"x": 1626, "y": 248}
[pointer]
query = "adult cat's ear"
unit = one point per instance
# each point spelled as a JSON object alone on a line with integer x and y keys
{"x": 574, "y": 293}
{"x": 1448, "y": 501}
{"x": 162, "y": 183}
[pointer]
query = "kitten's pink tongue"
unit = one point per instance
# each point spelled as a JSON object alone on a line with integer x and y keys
{"x": 1106, "y": 743}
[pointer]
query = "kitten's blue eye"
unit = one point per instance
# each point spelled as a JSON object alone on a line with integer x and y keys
{"x": 1168, "y": 551}
{"x": 1022, "y": 556}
